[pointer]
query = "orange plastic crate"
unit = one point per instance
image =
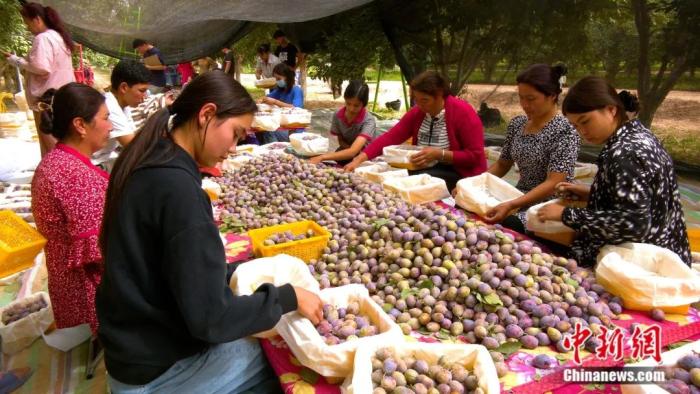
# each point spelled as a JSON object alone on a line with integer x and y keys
{"x": 694, "y": 238}
{"x": 19, "y": 244}
{"x": 306, "y": 249}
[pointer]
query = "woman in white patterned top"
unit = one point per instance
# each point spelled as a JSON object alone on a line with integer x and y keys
{"x": 542, "y": 143}
{"x": 634, "y": 196}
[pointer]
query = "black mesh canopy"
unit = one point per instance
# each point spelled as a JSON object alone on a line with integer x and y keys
{"x": 183, "y": 30}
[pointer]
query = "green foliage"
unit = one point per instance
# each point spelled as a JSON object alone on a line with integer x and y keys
{"x": 14, "y": 37}
{"x": 350, "y": 47}
{"x": 247, "y": 47}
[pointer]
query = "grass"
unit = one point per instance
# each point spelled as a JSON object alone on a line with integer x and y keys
{"x": 256, "y": 93}
{"x": 683, "y": 149}
{"x": 383, "y": 113}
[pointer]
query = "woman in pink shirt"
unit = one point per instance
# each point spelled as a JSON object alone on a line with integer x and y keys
{"x": 48, "y": 64}
{"x": 447, "y": 128}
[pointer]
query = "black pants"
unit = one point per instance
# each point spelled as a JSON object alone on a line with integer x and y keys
{"x": 443, "y": 171}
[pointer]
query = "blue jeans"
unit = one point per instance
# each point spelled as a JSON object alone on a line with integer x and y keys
{"x": 277, "y": 136}
{"x": 233, "y": 367}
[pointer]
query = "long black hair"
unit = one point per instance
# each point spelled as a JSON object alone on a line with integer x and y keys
{"x": 288, "y": 74}
{"x": 59, "y": 108}
{"x": 231, "y": 99}
{"x": 592, "y": 93}
{"x": 51, "y": 19}
{"x": 544, "y": 78}
{"x": 357, "y": 89}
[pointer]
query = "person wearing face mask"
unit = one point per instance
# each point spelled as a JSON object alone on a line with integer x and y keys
{"x": 48, "y": 64}
{"x": 169, "y": 322}
{"x": 448, "y": 129}
{"x": 130, "y": 81}
{"x": 68, "y": 194}
{"x": 542, "y": 143}
{"x": 287, "y": 95}
{"x": 354, "y": 126}
{"x": 634, "y": 196}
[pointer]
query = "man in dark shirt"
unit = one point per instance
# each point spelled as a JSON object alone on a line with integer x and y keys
{"x": 145, "y": 49}
{"x": 286, "y": 51}
{"x": 230, "y": 64}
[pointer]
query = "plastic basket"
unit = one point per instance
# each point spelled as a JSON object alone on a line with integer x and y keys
{"x": 19, "y": 244}
{"x": 694, "y": 239}
{"x": 306, "y": 249}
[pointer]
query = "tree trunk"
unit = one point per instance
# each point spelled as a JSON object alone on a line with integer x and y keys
{"x": 642, "y": 21}
{"x": 302, "y": 75}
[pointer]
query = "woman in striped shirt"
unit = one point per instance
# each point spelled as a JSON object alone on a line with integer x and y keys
{"x": 448, "y": 129}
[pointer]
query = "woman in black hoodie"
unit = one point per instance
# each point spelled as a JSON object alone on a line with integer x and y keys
{"x": 167, "y": 318}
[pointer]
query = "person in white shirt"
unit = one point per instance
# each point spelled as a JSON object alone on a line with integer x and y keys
{"x": 130, "y": 80}
{"x": 266, "y": 62}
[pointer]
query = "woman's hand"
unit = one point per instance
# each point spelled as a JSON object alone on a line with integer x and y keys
{"x": 316, "y": 159}
{"x": 359, "y": 159}
{"x": 269, "y": 101}
{"x": 499, "y": 212}
{"x": 551, "y": 212}
{"x": 426, "y": 156}
{"x": 572, "y": 191}
{"x": 309, "y": 305}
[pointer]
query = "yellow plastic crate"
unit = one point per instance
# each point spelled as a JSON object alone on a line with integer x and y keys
{"x": 305, "y": 249}
{"x": 694, "y": 238}
{"x": 19, "y": 244}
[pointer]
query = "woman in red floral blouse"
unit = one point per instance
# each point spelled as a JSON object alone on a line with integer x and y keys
{"x": 68, "y": 194}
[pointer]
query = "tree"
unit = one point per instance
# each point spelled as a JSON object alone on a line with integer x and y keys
{"x": 351, "y": 42}
{"x": 613, "y": 39}
{"x": 457, "y": 36}
{"x": 668, "y": 33}
{"x": 14, "y": 37}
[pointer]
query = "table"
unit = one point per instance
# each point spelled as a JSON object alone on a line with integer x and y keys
{"x": 522, "y": 377}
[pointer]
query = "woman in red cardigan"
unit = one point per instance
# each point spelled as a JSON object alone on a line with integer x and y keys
{"x": 448, "y": 128}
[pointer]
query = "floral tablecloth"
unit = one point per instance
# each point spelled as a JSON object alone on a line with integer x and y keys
{"x": 522, "y": 377}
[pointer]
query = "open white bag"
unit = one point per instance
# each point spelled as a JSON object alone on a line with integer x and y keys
{"x": 473, "y": 357}
{"x": 380, "y": 172}
{"x": 548, "y": 226}
{"x": 479, "y": 194}
{"x": 22, "y": 333}
{"x": 337, "y": 360}
{"x": 309, "y": 144}
{"x": 400, "y": 156}
{"x": 418, "y": 189}
{"x": 295, "y": 117}
{"x": 278, "y": 270}
{"x": 647, "y": 276}
{"x": 266, "y": 121}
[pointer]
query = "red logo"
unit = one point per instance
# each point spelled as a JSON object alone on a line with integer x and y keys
{"x": 647, "y": 343}
{"x": 578, "y": 339}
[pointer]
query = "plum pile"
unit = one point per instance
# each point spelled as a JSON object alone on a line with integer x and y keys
{"x": 21, "y": 310}
{"x": 287, "y": 236}
{"x": 344, "y": 324}
{"x": 430, "y": 269}
{"x": 684, "y": 377}
{"x": 394, "y": 374}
